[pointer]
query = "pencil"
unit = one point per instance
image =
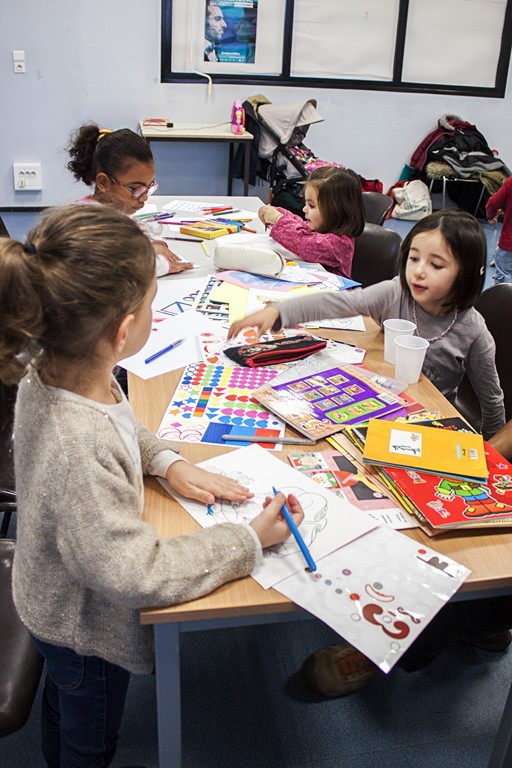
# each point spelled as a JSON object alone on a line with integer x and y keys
{"x": 246, "y": 229}
{"x": 205, "y": 249}
{"x": 266, "y": 439}
{"x": 186, "y": 239}
{"x": 296, "y": 533}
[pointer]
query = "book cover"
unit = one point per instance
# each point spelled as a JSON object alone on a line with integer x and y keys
{"x": 207, "y": 230}
{"x": 323, "y": 403}
{"x": 447, "y": 502}
{"x": 426, "y": 449}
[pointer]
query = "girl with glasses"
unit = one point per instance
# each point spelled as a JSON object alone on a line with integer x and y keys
{"x": 121, "y": 167}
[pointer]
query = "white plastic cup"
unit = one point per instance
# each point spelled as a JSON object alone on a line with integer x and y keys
{"x": 392, "y": 329}
{"x": 410, "y": 354}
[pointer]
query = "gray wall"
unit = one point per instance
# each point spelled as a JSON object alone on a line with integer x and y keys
{"x": 100, "y": 60}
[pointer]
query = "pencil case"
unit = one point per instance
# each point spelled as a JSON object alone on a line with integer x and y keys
{"x": 248, "y": 258}
{"x": 274, "y": 352}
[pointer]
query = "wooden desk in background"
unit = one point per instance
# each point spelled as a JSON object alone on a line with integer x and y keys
{"x": 205, "y": 132}
{"x": 489, "y": 556}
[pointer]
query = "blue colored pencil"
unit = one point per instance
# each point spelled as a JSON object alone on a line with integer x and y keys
{"x": 298, "y": 538}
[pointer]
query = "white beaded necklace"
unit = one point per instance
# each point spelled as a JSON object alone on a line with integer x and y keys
{"x": 436, "y": 338}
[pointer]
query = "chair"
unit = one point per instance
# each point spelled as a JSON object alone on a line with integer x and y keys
{"x": 376, "y": 207}
{"x": 20, "y": 670}
{"x": 7, "y": 487}
{"x": 3, "y": 229}
{"x": 495, "y": 304}
{"x": 375, "y": 255}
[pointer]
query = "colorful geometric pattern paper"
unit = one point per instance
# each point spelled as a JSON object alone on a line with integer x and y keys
{"x": 214, "y": 400}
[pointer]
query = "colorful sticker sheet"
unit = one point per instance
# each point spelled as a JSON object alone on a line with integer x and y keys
{"x": 214, "y": 400}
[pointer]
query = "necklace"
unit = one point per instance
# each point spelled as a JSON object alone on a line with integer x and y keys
{"x": 436, "y": 338}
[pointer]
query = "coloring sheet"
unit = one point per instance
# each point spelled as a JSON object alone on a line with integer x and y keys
{"x": 378, "y": 592}
{"x": 213, "y": 400}
{"x": 329, "y": 522}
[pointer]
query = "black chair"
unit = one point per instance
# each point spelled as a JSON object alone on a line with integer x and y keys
{"x": 375, "y": 255}
{"x": 376, "y": 207}
{"x": 7, "y": 487}
{"x": 495, "y": 304}
{"x": 3, "y": 229}
{"x": 21, "y": 663}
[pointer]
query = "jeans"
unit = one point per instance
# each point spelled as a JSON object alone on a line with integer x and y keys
{"x": 503, "y": 263}
{"x": 83, "y": 703}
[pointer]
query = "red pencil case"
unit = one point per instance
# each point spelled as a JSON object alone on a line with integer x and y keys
{"x": 274, "y": 352}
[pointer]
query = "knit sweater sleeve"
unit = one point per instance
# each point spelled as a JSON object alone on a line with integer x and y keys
{"x": 377, "y": 301}
{"x": 332, "y": 251}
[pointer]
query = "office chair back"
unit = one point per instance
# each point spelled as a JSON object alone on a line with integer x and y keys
{"x": 7, "y": 488}
{"x": 21, "y": 664}
{"x": 376, "y": 207}
{"x": 495, "y": 304}
{"x": 375, "y": 255}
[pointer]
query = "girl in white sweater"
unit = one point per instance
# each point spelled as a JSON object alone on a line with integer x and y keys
{"x": 75, "y": 299}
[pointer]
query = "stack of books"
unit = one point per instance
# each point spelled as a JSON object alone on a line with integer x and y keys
{"x": 441, "y": 472}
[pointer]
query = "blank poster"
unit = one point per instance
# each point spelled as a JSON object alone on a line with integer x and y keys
{"x": 344, "y": 39}
{"x": 453, "y": 42}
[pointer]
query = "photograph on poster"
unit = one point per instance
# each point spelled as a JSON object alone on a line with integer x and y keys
{"x": 230, "y": 30}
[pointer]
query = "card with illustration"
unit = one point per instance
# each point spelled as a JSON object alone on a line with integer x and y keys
{"x": 378, "y": 592}
{"x": 329, "y": 521}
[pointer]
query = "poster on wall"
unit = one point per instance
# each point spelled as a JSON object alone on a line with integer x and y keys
{"x": 230, "y": 31}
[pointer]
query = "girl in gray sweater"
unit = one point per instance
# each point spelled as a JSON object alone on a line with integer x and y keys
{"x": 75, "y": 299}
{"x": 441, "y": 268}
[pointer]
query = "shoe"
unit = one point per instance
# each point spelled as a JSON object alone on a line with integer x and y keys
{"x": 492, "y": 263}
{"x": 337, "y": 671}
{"x": 497, "y": 643}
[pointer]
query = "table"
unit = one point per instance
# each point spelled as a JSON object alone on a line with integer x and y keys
{"x": 489, "y": 557}
{"x": 220, "y": 132}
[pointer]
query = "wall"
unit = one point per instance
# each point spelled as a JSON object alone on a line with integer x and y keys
{"x": 100, "y": 60}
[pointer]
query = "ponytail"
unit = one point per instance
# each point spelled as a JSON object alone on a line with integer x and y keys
{"x": 21, "y": 311}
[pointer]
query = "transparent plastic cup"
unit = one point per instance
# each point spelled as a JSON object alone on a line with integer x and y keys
{"x": 410, "y": 354}
{"x": 392, "y": 329}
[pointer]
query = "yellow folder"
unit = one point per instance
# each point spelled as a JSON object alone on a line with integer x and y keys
{"x": 427, "y": 449}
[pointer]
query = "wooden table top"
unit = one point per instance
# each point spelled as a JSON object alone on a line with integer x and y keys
{"x": 488, "y": 554}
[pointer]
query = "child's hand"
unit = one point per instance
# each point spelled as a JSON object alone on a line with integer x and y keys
{"x": 263, "y": 320}
{"x": 493, "y": 221}
{"x": 269, "y": 215}
{"x": 270, "y": 524}
{"x": 200, "y": 485}
{"x": 173, "y": 262}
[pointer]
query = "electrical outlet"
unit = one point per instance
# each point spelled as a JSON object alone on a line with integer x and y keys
{"x": 27, "y": 177}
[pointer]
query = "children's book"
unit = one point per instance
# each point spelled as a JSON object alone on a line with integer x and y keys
{"x": 343, "y": 474}
{"x": 426, "y": 449}
{"x": 446, "y": 502}
{"x": 322, "y": 403}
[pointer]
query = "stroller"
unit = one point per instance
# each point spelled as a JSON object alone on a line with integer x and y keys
{"x": 279, "y": 155}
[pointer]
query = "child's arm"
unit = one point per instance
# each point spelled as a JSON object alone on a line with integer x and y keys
{"x": 497, "y": 201}
{"x": 502, "y": 441}
{"x": 167, "y": 262}
{"x": 269, "y": 215}
{"x": 481, "y": 369}
{"x": 372, "y": 301}
{"x": 332, "y": 251}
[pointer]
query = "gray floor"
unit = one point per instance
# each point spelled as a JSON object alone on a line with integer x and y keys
{"x": 245, "y": 706}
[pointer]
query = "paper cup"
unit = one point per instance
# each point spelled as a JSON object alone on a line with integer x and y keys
{"x": 410, "y": 354}
{"x": 392, "y": 329}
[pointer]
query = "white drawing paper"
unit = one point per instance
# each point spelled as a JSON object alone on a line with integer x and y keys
{"x": 378, "y": 592}
{"x": 329, "y": 522}
{"x": 163, "y": 333}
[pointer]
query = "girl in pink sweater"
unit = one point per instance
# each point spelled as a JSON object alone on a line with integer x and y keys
{"x": 334, "y": 215}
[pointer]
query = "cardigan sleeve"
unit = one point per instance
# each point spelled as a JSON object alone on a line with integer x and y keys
{"x": 332, "y": 251}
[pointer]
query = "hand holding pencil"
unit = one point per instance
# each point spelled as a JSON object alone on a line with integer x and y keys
{"x": 271, "y": 525}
